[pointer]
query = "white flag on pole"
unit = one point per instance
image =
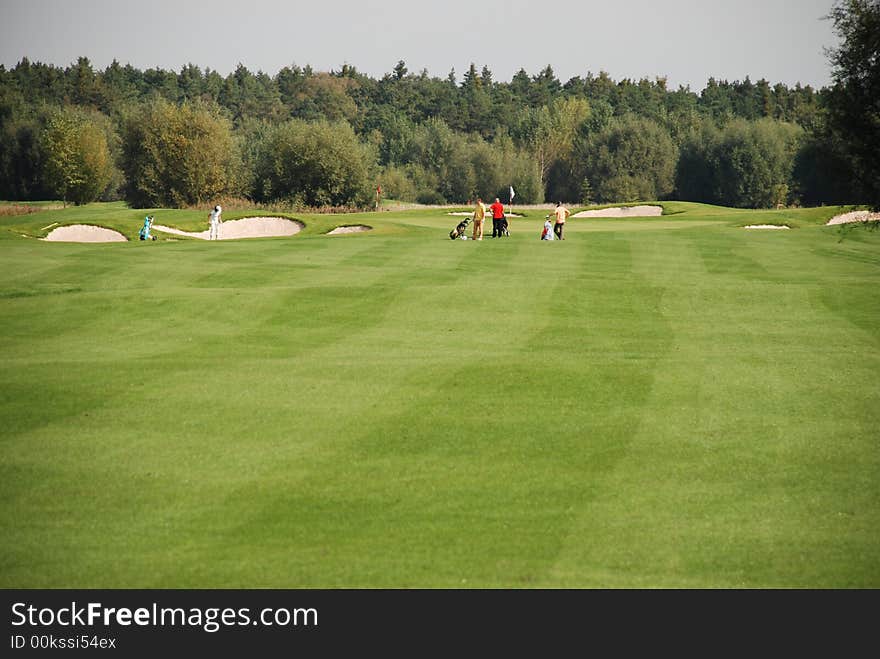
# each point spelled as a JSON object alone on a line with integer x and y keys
{"x": 512, "y": 194}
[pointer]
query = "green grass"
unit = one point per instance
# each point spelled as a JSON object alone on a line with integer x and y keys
{"x": 662, "y": 402}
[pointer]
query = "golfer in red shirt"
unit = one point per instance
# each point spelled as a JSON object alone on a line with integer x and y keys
{"x": 497, "y": 218}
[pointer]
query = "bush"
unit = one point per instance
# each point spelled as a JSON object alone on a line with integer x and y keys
{"x": 521, "y": 170}
{"x": 752, "y": 159}
{"x": 176, "y": 156}
{"x": 396, "y": 184}
{"x": 625, "y": 188}
{"x": 78, "y": 164}
{"x": 21, "y": 161}
{"x": 745, "y": 165}
{"x": 824, "y": 173}
{"x": 631, "y": 159}
{"x": 695, "y": 177}
{"x": 316, "y": 164}
{"x": 442, "y": 166}
{"x": 430, "y": 198}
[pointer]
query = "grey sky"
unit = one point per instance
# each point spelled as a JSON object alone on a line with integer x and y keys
{"x": 686, "y": 41}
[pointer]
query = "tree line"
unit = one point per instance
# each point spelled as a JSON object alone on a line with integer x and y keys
{"x": 312, "y": 138}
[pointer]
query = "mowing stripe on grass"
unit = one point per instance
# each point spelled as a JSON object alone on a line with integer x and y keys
{"x": 644, "y": 405}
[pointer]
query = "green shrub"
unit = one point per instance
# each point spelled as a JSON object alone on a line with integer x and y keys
{"x": 631, "y": 159}
{"x": 176, "y": 156}
{"x": 396, "y": 184}
{"x": 78, "y": 163}
{"x": 747, "y": 164}
{"x": 430, "y": 198}
{"x": 316, "y": 164}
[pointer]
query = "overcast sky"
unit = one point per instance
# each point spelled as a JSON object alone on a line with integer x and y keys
{"x": 686, "y": 41}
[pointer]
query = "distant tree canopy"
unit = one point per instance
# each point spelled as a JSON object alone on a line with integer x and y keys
{"x": 307, "y": 137}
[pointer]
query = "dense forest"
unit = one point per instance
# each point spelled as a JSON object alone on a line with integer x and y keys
{"x": 329, "y": 139}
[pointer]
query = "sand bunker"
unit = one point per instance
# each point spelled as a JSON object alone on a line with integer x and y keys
{"x": 354, "y": 228}
{"x": 855, "y": 216}
{"x": 85, "y": 233}
{"x": 767, "y": 226}
{"x": 247, "y": 227}
{"x": 627, "y": 211}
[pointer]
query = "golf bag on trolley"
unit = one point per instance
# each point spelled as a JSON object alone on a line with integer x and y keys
{"x": 144, "y": 233}
{"x": 459, "y": 230}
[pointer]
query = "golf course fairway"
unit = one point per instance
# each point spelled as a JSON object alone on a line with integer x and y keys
{"x": 664, "y": 402}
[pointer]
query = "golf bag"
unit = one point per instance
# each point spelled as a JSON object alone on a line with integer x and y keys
{"x": 460, "y": 228}
{"x": 547, "y": 232}
{"x": 144, "y": 233}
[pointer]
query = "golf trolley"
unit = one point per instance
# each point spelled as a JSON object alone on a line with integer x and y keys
{"x": 144, "y": 233}
{"x": 459, "y": 230}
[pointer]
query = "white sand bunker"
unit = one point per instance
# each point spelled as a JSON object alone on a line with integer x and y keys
{"x": 626, "y": 211}
{"x": 767, "y": 226}
{"x": 85, "y": 233}
{"x": 247, "y": 227}
{"x": 855, "y": 216}
{"x": 353, "y": 228}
